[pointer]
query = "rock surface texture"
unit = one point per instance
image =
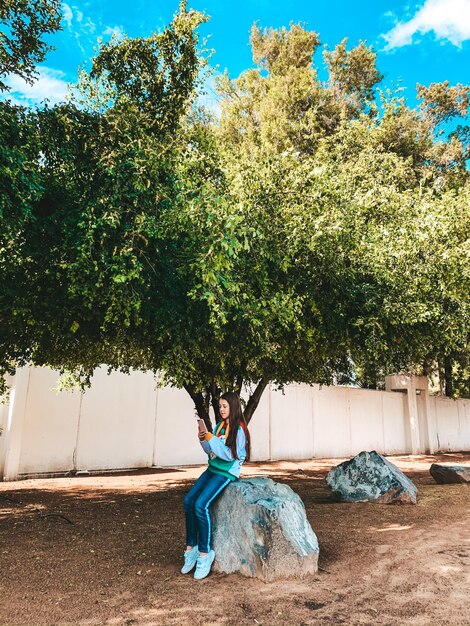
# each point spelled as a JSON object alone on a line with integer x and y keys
{"x": 260, "y": 529}
{"x": 445, "y": 474}
{"x": 369, "y": 477}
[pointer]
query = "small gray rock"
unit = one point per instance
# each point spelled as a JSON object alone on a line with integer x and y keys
{"x": 369, "y": 477}
{"x": 447, "y": 474}
{"x": 260, "y": 529}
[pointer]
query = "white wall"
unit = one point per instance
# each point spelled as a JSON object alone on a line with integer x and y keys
{"x": 176, "y": 430}
{"x": 50, "y": 423}
{"x": 395, "y": 423}
{"x": 123, "y": 421}
{"x": 291, "y": 423}
{"x": 117, "y": 421}
{"x": 4, "y": 409}
{"x": 452, "y": 423}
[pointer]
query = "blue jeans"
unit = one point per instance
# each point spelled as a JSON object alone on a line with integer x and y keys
{"x": 196, "y": 507}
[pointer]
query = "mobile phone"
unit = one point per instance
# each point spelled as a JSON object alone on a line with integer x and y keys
{"x": 201, "y": 427}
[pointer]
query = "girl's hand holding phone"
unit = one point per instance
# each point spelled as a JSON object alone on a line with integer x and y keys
{"x": 202, "y": 430}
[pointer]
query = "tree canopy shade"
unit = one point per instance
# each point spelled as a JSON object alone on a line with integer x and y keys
{"x": 315, "y": 233}
{"x": 23, "y": 24}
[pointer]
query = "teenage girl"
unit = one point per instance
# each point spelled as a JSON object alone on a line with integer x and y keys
{"x": 227, "y": 449}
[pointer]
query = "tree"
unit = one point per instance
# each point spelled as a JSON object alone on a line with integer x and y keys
{"x": 353, "y": 77}
{"x": 390, "y": 172}
{"x": 153, "y": 259}
{"x": 308, "y": 237}
{"x": 23, "y": 24}
{"x": 104, "y": 177}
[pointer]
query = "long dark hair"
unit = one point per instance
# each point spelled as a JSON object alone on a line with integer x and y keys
{"x": 236, "y": 419}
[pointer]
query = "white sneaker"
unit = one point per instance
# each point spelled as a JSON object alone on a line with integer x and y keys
{"x": 190, "y": 558}
{"x": 204, "y": 564}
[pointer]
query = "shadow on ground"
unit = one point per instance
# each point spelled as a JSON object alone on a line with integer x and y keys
{"x": 106, "y": 550}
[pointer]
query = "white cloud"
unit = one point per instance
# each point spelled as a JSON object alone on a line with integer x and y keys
{"x": 447, "y": 19}
{"x": 73, "y": 16}
{"x": 87, "y": 25}
{"x": 117, "y": 31}
{"x": 68, "y": 14}
{"x": 51, "y": 85}
{"x": 84, "y": 29}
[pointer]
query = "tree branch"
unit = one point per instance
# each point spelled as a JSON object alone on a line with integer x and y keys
{"x": 254, "y": 400}
{"x": 239, "y": 384}
{"x": 215, "y": 395}
{"x": 199, "y": 403}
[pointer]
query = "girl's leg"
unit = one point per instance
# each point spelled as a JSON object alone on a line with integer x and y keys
{"x": 213, "y": 488}
{"x": 189, "y": 502}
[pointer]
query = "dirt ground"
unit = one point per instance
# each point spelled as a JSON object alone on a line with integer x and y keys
{"x": 106, "y": 550}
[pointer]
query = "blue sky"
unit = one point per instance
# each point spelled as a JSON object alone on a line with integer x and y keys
{"x": 417, "y": 42}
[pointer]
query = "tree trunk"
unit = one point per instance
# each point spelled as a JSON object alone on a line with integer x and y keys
{"x": 200, "y": 405}
{"x": 215, "y": 395}
{"x": 254, "y": 399}
{"x": 238, "y": 385}
{"x": 449, "y": 382}
{"x": 440, "y": 374}
{"x": 211, "y": 397}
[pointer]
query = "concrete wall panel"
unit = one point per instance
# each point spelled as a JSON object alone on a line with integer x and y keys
{"x": 396, "y": 430}
{"x": 50, "y": 425}
{"x": 123, "y": 421}
{"x": 176, "y": 440}
{"x": 452, "y": 423}
{"x": 331, "y": 415}
{"x": 366, "y": 419}
{"x": 117, "y": 421}
{"x": 260, "y": 429}
{"x": 291, "y": 423}
{"x": 464, "y": 423}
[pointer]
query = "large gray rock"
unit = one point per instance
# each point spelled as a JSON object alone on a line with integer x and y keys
{"x": 450, "y": 473}
{"x": 369, "y": 477}
{"x": 260, "y": 529}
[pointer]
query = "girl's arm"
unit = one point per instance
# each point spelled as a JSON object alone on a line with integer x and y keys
{"x": 241, "y": 445}
{"x": 205, "y": 446}
{"x": 224, "y": 452}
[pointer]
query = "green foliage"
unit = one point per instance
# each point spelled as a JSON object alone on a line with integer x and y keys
{"x": 374, "y": 202}
{"x": 443, "y": 102}
{"x": 23, "y": 23}
{"x": 353, "y": 76}
{"x": 279, "y": 104}
{"x": 87, "y": 280}
{"x": 315, "y": 234}
{"x": 155, "y": 75}
{"x": 20, "y": 188}
{"x": 20, "y": 183}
